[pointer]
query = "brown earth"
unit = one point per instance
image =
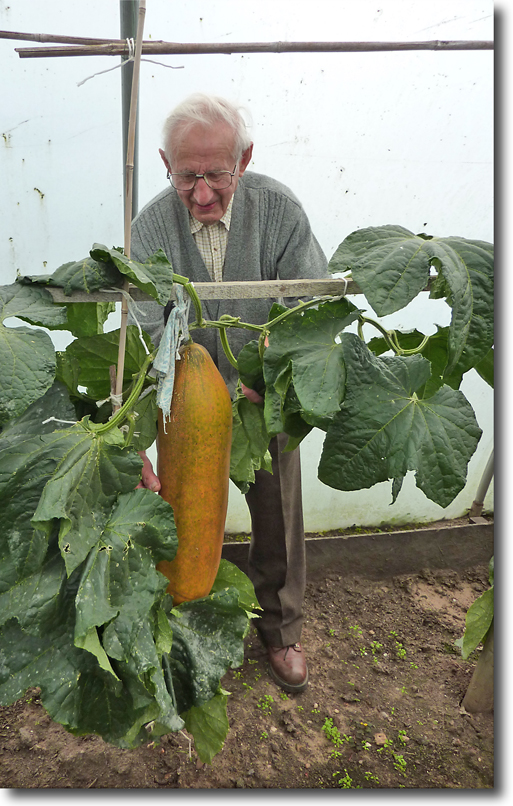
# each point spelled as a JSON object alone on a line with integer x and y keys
{"x": 382, "y": 710}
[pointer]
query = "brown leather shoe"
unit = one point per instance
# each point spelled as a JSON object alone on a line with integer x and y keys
{"x": 287, "y": 666}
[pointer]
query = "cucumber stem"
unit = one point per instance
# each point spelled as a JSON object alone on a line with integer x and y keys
{"x": 390, "y": 337}
{"x": 189, "y": 287}
{"x": 227, "y": 349}
{"x": 127, "y": 406}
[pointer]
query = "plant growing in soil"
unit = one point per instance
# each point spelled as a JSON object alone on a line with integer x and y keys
{"x": 85, "y": 613}
{"x": 479, "y": 629}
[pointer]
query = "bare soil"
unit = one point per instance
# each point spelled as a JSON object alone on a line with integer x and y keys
{"x": 382, "y": 710}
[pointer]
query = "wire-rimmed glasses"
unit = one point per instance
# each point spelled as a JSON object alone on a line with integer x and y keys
{"x": 217, "y": 180}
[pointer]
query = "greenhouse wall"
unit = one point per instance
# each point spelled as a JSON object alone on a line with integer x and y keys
{"x": 363, "y": 139}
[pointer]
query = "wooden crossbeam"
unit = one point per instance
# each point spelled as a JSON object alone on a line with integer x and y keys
{"x": 257, "y": 289}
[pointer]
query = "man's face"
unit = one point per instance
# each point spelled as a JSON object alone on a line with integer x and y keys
{"x": 202, "y": 150}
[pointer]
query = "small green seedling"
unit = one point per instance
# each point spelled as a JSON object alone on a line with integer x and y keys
{"x": 332, "y": 732}
{"x": 346, "y": 782}
{"x": 400, "y": 650}
{"x": 399, "y": 763}
{"x": 265, "y": 703}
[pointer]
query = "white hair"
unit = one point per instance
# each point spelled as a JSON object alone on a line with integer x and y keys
{"x": 206, "y": 110}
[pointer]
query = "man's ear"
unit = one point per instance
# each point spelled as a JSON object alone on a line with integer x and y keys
{"x": 245, "y": 159}
{"x": 164, "y": 160}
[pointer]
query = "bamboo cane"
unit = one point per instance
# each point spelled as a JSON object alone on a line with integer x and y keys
{"x": 128, "y": 195}
{"x": 114, "y": 48}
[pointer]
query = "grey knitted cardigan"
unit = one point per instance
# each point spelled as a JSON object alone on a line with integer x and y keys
{"x": 270, "y": 238}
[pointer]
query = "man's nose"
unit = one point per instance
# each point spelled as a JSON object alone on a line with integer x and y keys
{"x": 202, "y": 193}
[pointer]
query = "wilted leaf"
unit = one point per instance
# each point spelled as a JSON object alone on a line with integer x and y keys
{"x": 154, "y": 276}
{"x": 86, "y": 275}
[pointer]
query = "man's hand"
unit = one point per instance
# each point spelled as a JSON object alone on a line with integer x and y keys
{"x": 149, "y": 479}
{"x": 252, "y": 395}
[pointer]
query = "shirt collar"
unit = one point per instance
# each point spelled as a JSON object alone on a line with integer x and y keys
{"x": 226, "y": 219}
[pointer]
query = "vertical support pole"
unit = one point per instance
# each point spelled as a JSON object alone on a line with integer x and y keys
{"x": 132, "y": 121}
{"x": 128, "y": 15}
{"x": 477, "y": 505}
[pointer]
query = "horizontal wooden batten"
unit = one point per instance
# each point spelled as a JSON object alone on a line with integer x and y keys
{"x": 257, "y": 289}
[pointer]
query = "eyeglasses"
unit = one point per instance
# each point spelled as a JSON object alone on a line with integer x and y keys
{"x": 217, "y": 180}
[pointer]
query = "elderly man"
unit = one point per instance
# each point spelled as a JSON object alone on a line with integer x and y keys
{"x": 219, "y": 222}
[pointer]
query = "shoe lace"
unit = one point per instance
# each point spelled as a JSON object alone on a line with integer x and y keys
{"x": 296, "y": 647}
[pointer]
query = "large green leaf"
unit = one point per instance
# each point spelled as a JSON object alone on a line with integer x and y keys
{"x": 486, "y": 366}
{"x": 250, "y": 443}
{"x": 32, "y": 304}
{"x": 477, "y": 622}
{"x": 77, "y": 692}
{"x": 436, "y": 350}
{"x": 386, "y": 262}
{"x": 80, "y": 318}
{"x": 207, "y": 641}
{"x": 22, "y": 472}
{"x": 209, "y": 725}
{"x": 229, "y": 576}
{"x": 26, "y": 465}
{"x": 467, "y": 269}
{"x": 84, "y": 612}
{"x": 27, "y": 355}
{"x": 86, "y": 361}
{"x": 304, "y": 349}
{"x": 87, "y": 318}
{"x": 383, "y": 429}
{"x": 115, "y": 684}
{"x": 86, "y": 275}
{"x": 121, "y": 569}
{"x": 250, "y": 367}
{"x": 146, "y": 414}
{"x": 51, "y": 412}
{"x": 154, "y": 276}
{"x": 91, "y": 472}
{"x": 392, "y": 265}
{"x": 107, "y": 268}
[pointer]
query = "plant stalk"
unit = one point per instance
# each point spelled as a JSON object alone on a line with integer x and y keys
{"x": 122, "y": 412}
{"x": 189, "y": 287}
{"x": 227, "y": 349}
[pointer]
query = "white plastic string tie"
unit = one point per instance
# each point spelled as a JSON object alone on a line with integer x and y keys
{"x": 56, "y": 420}
{"x": 116, "y": 400}
{"x": 131, "y": 57}
{"x": 176, "y": 330}
{"x": 133, "y": 309}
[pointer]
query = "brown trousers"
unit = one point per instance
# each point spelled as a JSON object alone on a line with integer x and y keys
{"x": 276, "y": 563}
